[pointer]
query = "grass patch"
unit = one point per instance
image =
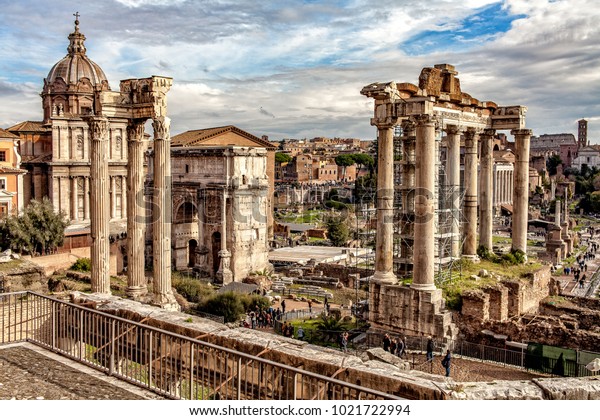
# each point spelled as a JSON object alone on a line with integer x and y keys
{"x": 9, "y": 265}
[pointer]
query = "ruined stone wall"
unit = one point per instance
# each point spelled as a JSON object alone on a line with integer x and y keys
{"x": 342, "y": 272}
{"x": 509, "y": 298}
{"x": 536, "y": 289}
{"x": 371, "y": 374}
{"x": 406, "y": 310}
{"x": 25, "y": 276}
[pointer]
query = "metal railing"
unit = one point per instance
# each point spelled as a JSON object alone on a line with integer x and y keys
{"x": 500, "y": 355}
{"x": 167, "y": 363}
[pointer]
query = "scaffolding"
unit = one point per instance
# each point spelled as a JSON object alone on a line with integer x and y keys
{"x": 448, "y": 201}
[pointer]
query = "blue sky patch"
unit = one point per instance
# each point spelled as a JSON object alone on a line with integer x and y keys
{"x": 480, "y": 27}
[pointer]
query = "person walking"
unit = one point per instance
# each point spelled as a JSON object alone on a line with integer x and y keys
{"x": 400, "y": 347}
{"x": 386, "y": 342}
{"x": 344, "y": 341}
{"x": 283, "y": 306}
{"x": 446, "y": 362}
{"x": 430, "y": 347}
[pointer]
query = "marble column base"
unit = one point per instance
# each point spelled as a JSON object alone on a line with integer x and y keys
{"x": 387, "y": 277}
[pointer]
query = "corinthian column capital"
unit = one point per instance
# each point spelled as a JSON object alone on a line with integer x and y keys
{"x": 161, "y": 126}
{"x": 523, "y": 132}
{"x": 425, "y": 120}
{"x": 99, "y": 127}
{"x": 135, "y": 130}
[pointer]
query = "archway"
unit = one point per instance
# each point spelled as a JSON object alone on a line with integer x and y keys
{"x": 192, "y": 245}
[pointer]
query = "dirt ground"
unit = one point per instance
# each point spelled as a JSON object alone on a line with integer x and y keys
{"x": 462, "y": 370}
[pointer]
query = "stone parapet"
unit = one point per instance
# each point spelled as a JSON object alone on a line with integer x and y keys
{"x": 372, "y": 374}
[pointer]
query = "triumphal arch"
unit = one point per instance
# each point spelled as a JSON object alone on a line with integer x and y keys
{"x": 437, "y": 104}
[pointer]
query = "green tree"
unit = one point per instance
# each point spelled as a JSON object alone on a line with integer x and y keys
{"x": 281, "y": 157}
{"x": 552, "y": 163}
{"x": 38, "y": 230}
{"x": 337, "y": 230}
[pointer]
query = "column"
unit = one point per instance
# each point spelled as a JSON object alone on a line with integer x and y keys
{"x": 100, "y": 211}
{"x": 113, "y": 197}
{"x": 470, "y": 203}
{"x": 224, "y": 274}
{"x": 74, "y": 198}
{"x": 486, "y": 204}
{"x": 86, "y": 198}
{"x": 123, "y": 197}
{"x": 136, "y": 220}
{"x": 453, "y": 182}
{"x": 162, "y": 214}
{"x": 424, "y": 258}
{"x": 520, "y": 189}
{"x": 384, "y": 242}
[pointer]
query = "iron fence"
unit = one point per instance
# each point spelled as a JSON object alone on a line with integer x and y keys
{"x": 500, "y": 355}
{"x": 167, "y": 363}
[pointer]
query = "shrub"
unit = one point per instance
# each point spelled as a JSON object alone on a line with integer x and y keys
{"x": 228, "y": 305}
{"x": 250, "y": 302}
{"x": 82, "y": 264}
{"x": 191, "y": 289}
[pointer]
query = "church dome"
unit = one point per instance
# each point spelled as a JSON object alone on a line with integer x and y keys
{"x": 76, "y": 66}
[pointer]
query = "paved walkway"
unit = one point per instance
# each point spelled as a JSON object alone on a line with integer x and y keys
{"x": 28, "y": 372}
{"x": 592, "y": 283}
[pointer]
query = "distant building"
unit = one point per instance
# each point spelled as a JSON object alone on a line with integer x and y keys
{"x": 11, "y": 175}
{"x": 589, "y": 156}
{"x": 550, "y": 144}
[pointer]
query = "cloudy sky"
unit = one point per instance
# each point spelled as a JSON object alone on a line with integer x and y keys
{"x": 294, "y": 69}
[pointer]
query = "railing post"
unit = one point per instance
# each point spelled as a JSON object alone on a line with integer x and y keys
{"x": 295, "y": 387}
{"x": 53, "y": 325}
{"x": 239, "y": 379}
{"x": 150, "y": 361}
{"x": 81, "y": 346}
{"x": 111, "y": 363}
{"x": 192, "y": 396}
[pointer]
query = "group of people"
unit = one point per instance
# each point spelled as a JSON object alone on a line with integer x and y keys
{"x": 395, "y": 345}
{"x": 287, "y": 330}
{"x": 261, "y": 318}
{"x": 446, "y": 361}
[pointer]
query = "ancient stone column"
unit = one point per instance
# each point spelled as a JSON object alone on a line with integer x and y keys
{"x": 100, "y": 206}
{"x": 470, "y": 202}
{"x": 74, "y": 212}
{"x": 86, "y": 198}
{"x": 486, "y": 204}
{"x": 384, "y": 242}
{"x": 161, "y": 215}
{"x": 136, "y": 220}
{"x": 407, "y": 233}
{"x": 425, "y": 155}
{"x": 453, "y": 182}
{"x": 557, "y": 212}
{"x": 520, "y": 189}
{"x": 224, "y": 274}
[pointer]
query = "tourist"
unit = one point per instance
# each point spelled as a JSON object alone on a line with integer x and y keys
{"x": 446, "y": 362}
{"x": 393, "y": 346}
{"x": 386, "y": 342}
{"x": 430, "y": 347}
{"x": 300, "y": 333}
{"x": 400, "y": 347}
{"x": 283, "y": 306}
{"x": 344, "y": 341}
{"x": 310, "y": 306}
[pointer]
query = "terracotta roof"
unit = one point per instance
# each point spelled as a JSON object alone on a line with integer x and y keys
{"x": 4, "y": 134}
{"x": 11, "y": 170}
{"x": 197, "y": 137}
{"x": 29, "y": 126}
